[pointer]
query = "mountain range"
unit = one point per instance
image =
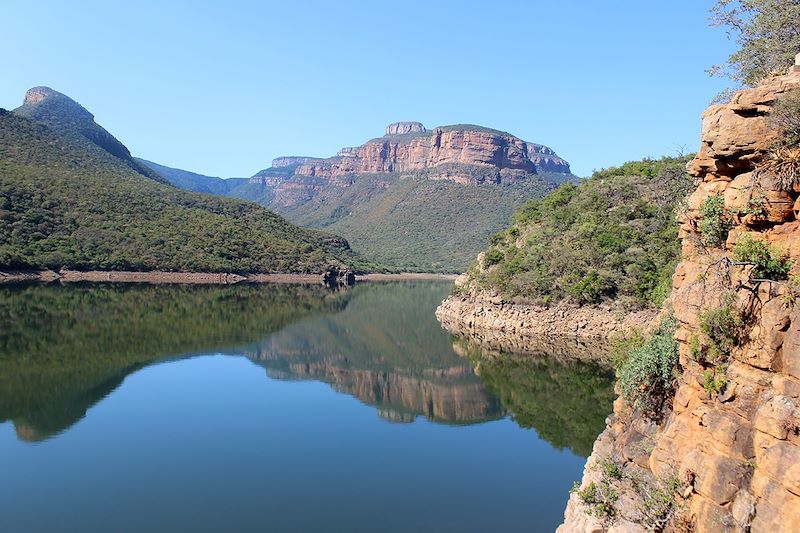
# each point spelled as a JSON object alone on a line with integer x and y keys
{"x": 414, "y": 199}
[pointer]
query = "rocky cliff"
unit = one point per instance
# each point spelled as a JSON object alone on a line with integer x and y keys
{"x": 725, "y": 453}
{"x": 409, "y": 146}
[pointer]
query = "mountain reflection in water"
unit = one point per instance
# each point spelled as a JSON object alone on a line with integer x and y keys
{"x": 65, "y": 348}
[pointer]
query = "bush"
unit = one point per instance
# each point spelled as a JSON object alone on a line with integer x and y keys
{"x": 722, "y": 331}
{"x": 716, "y": 222}
{"x": 714, "y": 381}
{"x": 785, "y": 117}
{"x": 767, "y": 261}
{"x": 622, "y": 345}
{"x": 647, "y": 376}
{"x": 493, "y": 257}
{"x": 784, "y": 163}
{"x": 591, "y": 288}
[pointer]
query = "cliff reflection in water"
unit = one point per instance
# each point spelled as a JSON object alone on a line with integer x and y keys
{"x": 388, "y": 350}
{"x": 64, "y": 348}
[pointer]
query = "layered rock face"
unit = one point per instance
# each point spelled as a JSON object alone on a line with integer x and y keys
{"x": 731, "y": 434}
{"x": 408, "y": 146}
{"x": 485, "y": 315}
{"x": 401, "y": 128}
{"x": 405, "y": 152}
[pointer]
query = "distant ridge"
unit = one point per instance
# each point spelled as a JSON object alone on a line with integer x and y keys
{"x": 192, "y": 181}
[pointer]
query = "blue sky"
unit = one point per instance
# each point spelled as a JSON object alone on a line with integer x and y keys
{"x": 221, "y": 88}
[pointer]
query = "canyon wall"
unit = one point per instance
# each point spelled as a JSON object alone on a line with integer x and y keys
{"x": 409, "y": 146}
{"x": 726, "y": 450}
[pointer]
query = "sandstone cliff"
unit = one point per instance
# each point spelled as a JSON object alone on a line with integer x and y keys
{"x": 725, "y": 455}
{"x": 462, "y": 153}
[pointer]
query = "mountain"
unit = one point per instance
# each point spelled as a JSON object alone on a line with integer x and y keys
{"x": 192, "y": 181}
{"x": 416, "y": 199}
{"x": 72, "y": 197}
{"x": 67, "y": 117}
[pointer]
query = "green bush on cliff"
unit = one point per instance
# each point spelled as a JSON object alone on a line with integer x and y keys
{"x": 611, "y": 237}
{"x": 722, "y": 331}
{"x": 647, "y": 376}
{"x": 768, "y": 262}
{"x": 715, "y": 221}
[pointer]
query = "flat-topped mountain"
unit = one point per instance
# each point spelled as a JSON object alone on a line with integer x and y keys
{"x": 415, "y": 199}
{"x": 463, "y": 153}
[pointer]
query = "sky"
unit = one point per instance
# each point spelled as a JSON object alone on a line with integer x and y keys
{"x": 221, "y": 88}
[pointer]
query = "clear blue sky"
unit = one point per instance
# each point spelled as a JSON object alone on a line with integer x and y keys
{"x": 223, "y": 87}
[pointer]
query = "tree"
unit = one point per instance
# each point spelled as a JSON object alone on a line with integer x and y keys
{"x": 768, "y": 32}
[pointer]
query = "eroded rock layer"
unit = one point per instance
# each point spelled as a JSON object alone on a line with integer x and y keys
{"x": 453, "y": 152}
{"x": 730, "y": 437}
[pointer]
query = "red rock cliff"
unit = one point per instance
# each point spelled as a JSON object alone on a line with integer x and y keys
{"x": 731, "y": 434}
{"x": 408, "y": 146}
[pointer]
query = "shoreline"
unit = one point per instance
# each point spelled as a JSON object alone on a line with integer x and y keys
{"x": 194, "y": 278}
{"x": 501, "y": 323}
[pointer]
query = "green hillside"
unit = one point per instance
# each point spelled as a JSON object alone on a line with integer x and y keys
{"x": 611, "y": 237}
{"x": 68, "y": 202}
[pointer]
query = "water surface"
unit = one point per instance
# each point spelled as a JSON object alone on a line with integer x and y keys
{"x": 278, "y": 408}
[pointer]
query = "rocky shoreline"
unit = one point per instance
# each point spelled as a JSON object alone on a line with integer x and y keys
{"x": 198, "y": 278}
{"x": 492, "y": 320}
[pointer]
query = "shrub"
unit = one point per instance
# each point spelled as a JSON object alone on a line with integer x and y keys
{"x": 722, "y": 332}
{"x": 497, "y": 238}
{"x": 622, "y": 344}
{"x": 610, "y": 469}
{"x": 647, "y": 377}
{"x": 601, "y": 497}
{"x": 766, "y": 259}
{"x": 657, "y": 504}
{"x": 591, "y": 288}
{"x": 722, "y": 327}
{"x": 493, "y": 257}
{"x": 784, "y": 163}
{"x": 714, "y": 380}
{"x": 716, "y": 222}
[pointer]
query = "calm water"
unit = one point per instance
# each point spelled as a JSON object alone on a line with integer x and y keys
{"x": 277, "y": 408}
